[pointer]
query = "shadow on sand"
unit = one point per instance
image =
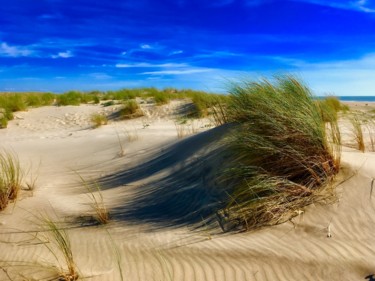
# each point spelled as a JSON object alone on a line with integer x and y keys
{"x": 177, "y": 186}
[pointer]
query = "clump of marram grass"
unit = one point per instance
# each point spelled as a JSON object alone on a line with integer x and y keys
{"x": 131, "y": 110}
{"x": 99, "y": 119}
{"x": 10, "y": 178}
{"x": 283, "y": 159}
{"x": 59, "y": 237}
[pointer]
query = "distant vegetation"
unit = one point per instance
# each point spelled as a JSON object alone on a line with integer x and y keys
{"x": 204, "y": 104}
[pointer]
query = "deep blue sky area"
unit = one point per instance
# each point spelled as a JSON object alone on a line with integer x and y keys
{"x": 60, "y": 45}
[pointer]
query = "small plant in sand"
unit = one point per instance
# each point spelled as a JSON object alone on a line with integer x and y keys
{"x": 132, "y": 136}
{"x": 131, "y": 110}
{"x": 99, "y": 119}
{"x": 370, "y": 126}
{"x": 11, "y": 176}
{"x": 184, "y": 128}
{"x": 30, "y": 184}
{"x": 97, "y": 201}
{"x": 60, "y": 239}
{"x": 282, "y": 158}
{"x": 122, "y": 149}
{"x": 58, "y": 244}
{"x": 357, "y": 131}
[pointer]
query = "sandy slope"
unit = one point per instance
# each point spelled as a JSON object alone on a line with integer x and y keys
{"x": 158, "y": 193}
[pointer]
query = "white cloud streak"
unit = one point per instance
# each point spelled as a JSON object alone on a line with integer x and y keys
{"x": 177, "y": 71}
{"x": 64, "y": 55}
{"x": 149, "y": 65}
{"x": 358, "y": 5}
{"x": 15, "y": 51}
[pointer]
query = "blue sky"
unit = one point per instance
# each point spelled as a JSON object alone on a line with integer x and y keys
{"x": 60, "y": 45}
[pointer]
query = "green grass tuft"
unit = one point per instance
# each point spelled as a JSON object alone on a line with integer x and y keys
{"x": 99, "y": 119}
{"x": 130, "y": 110}
{"x": 282, "y": 152}
{"x": 11, "y": 176}
{"x": 60, "y": 239}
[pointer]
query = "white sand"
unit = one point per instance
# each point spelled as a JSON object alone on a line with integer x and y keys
{"x": 155, "y": 243}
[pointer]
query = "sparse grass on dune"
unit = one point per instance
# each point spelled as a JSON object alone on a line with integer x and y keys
{"x": 97, "y": 201}
{"x": 10, "y": 178}
{"x": 282, "y": 157}
{"x": 60, "y": 239}
{"x": 12, "y": 102}
{"x": 99, "y": 119}
{"x": 130, "y": 110}
{"x": 356, "y": 122}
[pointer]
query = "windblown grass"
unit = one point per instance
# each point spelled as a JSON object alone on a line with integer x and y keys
{"x": 357, "y": 131}
{"x": 11, "y": 176}
{"x": 97, "y": 201}
{"x": 284, "y": 159}
{"x": 60, "y": 239}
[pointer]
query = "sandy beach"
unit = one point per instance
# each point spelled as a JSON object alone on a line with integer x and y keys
{"x": 153, "y": 184}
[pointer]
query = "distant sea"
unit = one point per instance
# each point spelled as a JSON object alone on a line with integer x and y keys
{"x": 354, "y": 98}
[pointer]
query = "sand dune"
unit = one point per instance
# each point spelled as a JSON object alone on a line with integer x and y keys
{"x": 162, "y": 198}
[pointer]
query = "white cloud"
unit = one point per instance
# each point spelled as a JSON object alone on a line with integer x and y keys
{"x": 177, "y": 71}
{"x": 64, "y": 55}
{"x": 14, "y": 51}
{"x": 344, "y": 77}
{"x": 149, "y": 65}
{"x": 145, "y": 46}
{"x": 357, "y": 5}
{"x": 100, "y": 76}
{"x": 176, "y": 52}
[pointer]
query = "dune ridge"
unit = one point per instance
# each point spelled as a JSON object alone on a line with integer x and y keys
{"x": 160, "y": 235}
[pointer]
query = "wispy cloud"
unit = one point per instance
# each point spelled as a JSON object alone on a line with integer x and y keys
{"x": 148, "y": 65}
{"x": 176, "y": 52}
{"x": 64, "y": 55}
{"x": 100, "y": 76}
{"x": 177, "y": 71}
{"x": 329, "y": 77}
{"x": 146, "y": 47}
{"x": 357, "y": 5}
{"x": 15, "y": 51}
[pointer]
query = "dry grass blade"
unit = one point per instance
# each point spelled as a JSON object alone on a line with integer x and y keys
{"x": 372, "y": 187}
{"x": 117, "y": 255}
{"x": 122, "y": 150}
{"x": 132, "y": 135}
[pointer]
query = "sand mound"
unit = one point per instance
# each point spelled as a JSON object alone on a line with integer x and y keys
{"x": 160, "y": 194}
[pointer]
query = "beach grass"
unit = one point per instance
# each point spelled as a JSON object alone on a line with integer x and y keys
{"x": 283, "y": 159}
{"x": 130, "y": 109}
{"x": 357, "y": 131}
{"x": 11, "y": 176}
{"x": 99, "y": 119}
{"x": 60, "y": 238}
{"x": 97, "y": 201}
